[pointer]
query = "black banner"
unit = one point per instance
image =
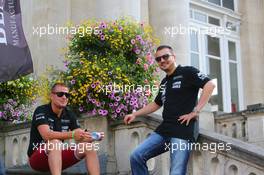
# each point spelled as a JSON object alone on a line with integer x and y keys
{"x": 15, "y": 57}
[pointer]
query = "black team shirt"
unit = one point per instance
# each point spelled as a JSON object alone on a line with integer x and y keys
{"x": 44, "y": 115}
{"x": 178, "y": 95}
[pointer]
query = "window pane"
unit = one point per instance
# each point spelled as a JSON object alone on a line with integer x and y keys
{"x": 200, "y": 16}
{"x": 195, "y": 60}
{"x": 228, "y": 4}
{"x": 194, "y": 41}
{"x": 232, "y": 50}
{"x": 217, "y": 2}
{"x": 213, "y": 21}
{"x": 215, "y": 73}
{"x": 213, "y": 47}
{"x": 234, "y": 86}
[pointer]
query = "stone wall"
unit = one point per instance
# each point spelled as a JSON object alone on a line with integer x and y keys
{"x": 243, "y": 158}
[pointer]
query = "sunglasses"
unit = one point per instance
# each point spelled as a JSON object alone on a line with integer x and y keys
{"x": 60, "y": 94}
{"x": 165, "y": 57}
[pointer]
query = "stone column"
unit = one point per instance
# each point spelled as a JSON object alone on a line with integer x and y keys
{"x": 170, "y": 19}
{"x": 116, "y": 8}
{"x": 252, "y": 44}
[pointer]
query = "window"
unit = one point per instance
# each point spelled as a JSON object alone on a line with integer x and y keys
{"x": 194, "y": 49}
{"x": 217, "y": 2}
{"x": 233, "y": 75}
{"x": 224, "y": 3}
{"x": 214, "y": 21}
{"x": 213, "y": 64}
{"x": 200, "y": 16}
{"x": 228, "y": 4}
{"x": 217, "y": 54}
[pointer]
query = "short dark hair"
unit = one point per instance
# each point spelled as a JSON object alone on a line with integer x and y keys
{"x": 164, "y": 47}
{"x": 58, "y": 84}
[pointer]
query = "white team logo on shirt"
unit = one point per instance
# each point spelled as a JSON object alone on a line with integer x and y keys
{"x": 176, "y": 85}
{"x": 201, "y": 75}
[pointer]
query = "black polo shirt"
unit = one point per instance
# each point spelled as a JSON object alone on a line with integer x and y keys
{"x": 178, "y": 94}
{"x": 44, "y": 115}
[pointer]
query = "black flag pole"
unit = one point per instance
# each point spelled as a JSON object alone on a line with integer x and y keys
{"x": 15, "y": 57}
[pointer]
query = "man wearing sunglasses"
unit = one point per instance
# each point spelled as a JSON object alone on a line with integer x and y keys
{"x": 51, "y": 125}
{"x": 178, "y": 95}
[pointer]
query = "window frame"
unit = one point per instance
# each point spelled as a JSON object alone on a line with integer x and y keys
{"x": 224, "y": 57}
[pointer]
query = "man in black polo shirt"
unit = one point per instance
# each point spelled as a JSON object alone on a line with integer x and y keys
{"x": 178, "y": 95}
{"x": 51, "y": 125}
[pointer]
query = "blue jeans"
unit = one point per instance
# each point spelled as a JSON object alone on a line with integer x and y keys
{"x": 155, "y": 145}
{"x": 2, "y": 170}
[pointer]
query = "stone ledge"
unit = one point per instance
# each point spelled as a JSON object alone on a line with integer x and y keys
{"x": 243, "y": 150}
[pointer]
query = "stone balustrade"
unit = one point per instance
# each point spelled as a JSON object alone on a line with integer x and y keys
{"x": 242, "y": 159}
{"x": 247, "y": 125}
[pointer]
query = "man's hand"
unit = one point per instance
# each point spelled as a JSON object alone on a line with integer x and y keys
{"x": 129, "y": 118}
{"x": 82, "y": 136}
{"x": 187, "y": 118}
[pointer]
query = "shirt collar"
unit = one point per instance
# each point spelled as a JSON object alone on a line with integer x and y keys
{"x": 174, "y": 73}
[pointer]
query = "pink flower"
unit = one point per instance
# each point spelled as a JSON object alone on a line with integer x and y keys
{"x": 146, "y": 67}
{"x": 133, "y": 41}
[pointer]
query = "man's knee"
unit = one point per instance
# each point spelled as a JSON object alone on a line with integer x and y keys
{"x": 136, "y": 156}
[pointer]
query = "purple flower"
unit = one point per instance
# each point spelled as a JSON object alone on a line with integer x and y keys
{"x": 100, "y": 111}
{"x": 111, "y": 104}
{"x": 117, "y": 98}
{"x": 105, "y": 112}
{"x": 1, "y": 114}
{"x": 103, "y": 25}
{"x": 137, "y": 51}
{"x": 81, "y": 109}
{"x": 93, "y": 101}
{"x": 121, "y": 106}
{"x": 73, "y": 81}
{"x": 94, "y": 112}
{"x": 118, "y": 110}
{"x": 115, "y": 104}
{"x": 142, "y": 42}
{"x": 102, "y": 37}
{"x": 120, "y": 28}
{"x": 138, "y": 37}
{"x": 122, "y": 114}
{"x": 93, "y": 85}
